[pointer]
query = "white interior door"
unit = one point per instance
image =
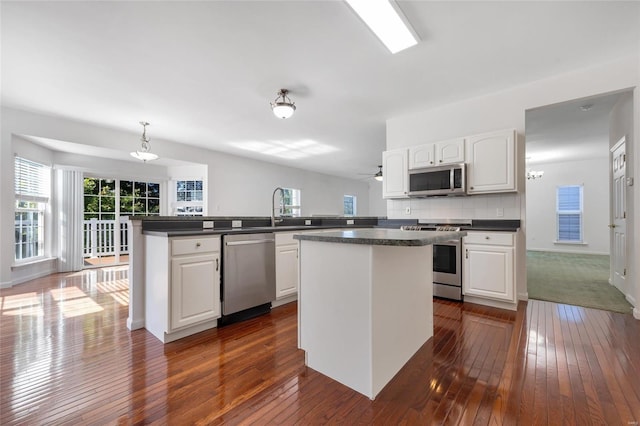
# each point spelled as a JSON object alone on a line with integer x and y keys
{"x": 619, "y": 216}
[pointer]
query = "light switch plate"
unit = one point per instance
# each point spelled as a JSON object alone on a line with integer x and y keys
{"x": 236, "y": 224}
{"x": 499, "y": 212}
{"x": 350, "y": 222}
{"x": 407, "y": 210}
{"x": 307, "y": 221}
{"x": 207, "y": 224}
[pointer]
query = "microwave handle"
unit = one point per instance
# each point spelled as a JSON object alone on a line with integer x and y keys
{"x": 451, "y": 178}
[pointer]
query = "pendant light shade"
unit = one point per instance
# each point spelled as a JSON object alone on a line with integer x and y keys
{"x": 144, "y": 153}
{"x": 283, "y": 107}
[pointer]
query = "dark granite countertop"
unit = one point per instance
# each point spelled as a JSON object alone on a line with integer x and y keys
{"x": 252, "y": 230}
{"x": 383, "y": 237}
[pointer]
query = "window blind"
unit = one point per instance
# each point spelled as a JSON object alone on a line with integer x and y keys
{"x": 569, "y": 211}
{"x": 32, "y": 180}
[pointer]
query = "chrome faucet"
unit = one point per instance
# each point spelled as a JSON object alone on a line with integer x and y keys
{"x": 273, "y": 207}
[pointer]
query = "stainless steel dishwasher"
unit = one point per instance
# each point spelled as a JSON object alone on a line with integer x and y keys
{"x": 248, "y": 275}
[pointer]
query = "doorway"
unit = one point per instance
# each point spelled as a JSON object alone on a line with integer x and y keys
{"x": 570, "y": 251}
{"x": 107, "y": 204}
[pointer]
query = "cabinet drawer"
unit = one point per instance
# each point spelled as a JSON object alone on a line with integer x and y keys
{"x": 286, "y": 238}
{"x": 194, "y": 245}
{"x": 489, "y": 238}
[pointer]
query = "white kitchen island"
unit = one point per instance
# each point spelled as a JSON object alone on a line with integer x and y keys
{"x": 365, "y": 302}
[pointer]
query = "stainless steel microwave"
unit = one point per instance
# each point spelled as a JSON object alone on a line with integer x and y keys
{"x": 442, "y": 180}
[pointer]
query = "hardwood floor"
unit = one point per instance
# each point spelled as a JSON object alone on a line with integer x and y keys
{"x": 66, "y": 356}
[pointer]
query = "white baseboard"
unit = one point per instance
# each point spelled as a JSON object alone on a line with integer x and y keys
{"x": 6, "y": 284}
{"x": 568, "y": 251}
{"x": 33, "y": 276}
{"x": 493, "y": 303}
{"x": 636, "y": 313}
{"x": 523, "y": 296}
{"x": 631, "y": 299}
{"x": 135, "y": 325}
{"x": 284, "y": 301}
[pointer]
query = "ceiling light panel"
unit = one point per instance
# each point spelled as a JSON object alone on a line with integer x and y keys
{"x": 386, "y": 23}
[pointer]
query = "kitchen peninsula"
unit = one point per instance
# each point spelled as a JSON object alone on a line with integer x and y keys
{"x": 365, "y": 302}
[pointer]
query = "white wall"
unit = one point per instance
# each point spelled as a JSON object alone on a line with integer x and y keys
{"x": 377, "y": 204}
{"x": 506, "y": 109}
{"x": 541, "y": 205}
{"x": 236, "y": 186}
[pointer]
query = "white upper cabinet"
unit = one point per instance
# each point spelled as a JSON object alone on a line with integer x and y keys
{"x": 491, "y": 162}
{"x": 436, "y": 154}
{"x": 395, "y": 183}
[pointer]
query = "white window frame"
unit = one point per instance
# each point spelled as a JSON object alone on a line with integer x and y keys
{"x": 197, "y": 207}
{"x": 354, "y": 203}
{"x": 293, "y": 209}
{"x": 32, "y": 186}
{"x": 579, "y": 212}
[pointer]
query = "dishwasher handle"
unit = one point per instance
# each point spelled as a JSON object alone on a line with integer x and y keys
{"x": 249, "y": 242}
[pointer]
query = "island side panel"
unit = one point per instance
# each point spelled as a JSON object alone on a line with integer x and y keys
{"x": 335, "y": 311}
{"x": 402, "y": 309}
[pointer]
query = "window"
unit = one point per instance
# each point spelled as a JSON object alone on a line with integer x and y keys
{"x": 132, "y": 197}
{"x": 32, "y": 188}
{"x": 349, "y": 205}
{"x": 189, "y": 198}
{"x": 291, "y": 202}
{"x": 569, "y": 213}
{"x": 139, "y": 198}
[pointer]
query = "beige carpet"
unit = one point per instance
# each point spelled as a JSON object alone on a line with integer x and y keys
{"x": 573, "y": 279}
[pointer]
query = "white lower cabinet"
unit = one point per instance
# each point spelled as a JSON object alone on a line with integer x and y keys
{"x": 488, "y": 265}
{"x": 286, "y": 264}
{"x": 286, "y": 270}
{"x": 195, "y": 289}
{"x": 182, "y": 294}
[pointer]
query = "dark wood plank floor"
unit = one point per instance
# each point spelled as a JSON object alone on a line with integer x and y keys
{"x": 66, "y": 356}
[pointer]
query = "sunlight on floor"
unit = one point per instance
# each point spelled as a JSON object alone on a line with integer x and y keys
{"x": 73, "y": 300}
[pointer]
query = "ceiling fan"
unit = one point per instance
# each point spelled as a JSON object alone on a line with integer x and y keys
{"x": 377, "y": 176}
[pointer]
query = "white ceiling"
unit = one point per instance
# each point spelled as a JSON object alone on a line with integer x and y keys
{"x": 203, "y": 73}
{"x": 562, "y": 132}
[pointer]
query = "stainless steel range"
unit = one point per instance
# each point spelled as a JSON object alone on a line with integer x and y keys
{"x": 447, "y": 258}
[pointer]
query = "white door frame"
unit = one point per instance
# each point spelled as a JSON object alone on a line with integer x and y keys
{"x": 618, "y": 216}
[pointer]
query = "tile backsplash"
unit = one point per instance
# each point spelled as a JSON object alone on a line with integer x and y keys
{"x": 494, "y": 206}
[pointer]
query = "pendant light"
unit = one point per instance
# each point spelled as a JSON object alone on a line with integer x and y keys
{"x": 282, "y": 107}
{"x": 144, "y": 154}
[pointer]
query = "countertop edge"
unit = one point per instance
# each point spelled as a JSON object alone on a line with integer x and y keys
{"x": 420, "y": 238}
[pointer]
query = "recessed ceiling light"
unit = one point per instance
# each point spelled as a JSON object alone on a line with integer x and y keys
{"x": 386, "y": 22}
{"x": 586, "y": 107}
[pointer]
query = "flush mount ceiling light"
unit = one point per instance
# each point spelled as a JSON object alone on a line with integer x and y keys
{"x": 282, "y": 106}
{"x": 586, "y": 107}
{"x": 386, "y": 21}
{"x": 378, "y": 176}
{"x": 144, "y": 154}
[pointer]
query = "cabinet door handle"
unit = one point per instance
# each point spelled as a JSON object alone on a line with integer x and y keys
{"x": 198, "y": 244}
{"x": 217, "y": 264}
{"x": 466, "y": 253}
{"x": 430, "y": 162}
{"x": 441, "y": 161}
{"x": 487, "y": 238}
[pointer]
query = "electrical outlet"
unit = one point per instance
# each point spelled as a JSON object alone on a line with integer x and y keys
{"x": 307, "y": 221}
{"x": 350, "y": 222}
{"x": 499, "y": 212}
{"x": 236, "y": 224}
{"x": 207, "y": 224}
{"x": 407, "y": 210}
